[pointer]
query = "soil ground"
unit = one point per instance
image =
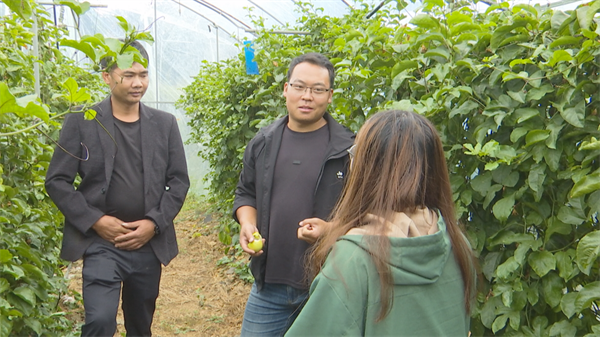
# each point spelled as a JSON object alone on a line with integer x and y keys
{"x": 197, "y": 297}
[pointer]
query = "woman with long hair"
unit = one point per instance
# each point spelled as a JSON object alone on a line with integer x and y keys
{"x": 394, "y": 261}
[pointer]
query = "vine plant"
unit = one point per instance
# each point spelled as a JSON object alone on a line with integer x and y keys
{"x": 514, "y": 94}
{"x": 31, "y": 277}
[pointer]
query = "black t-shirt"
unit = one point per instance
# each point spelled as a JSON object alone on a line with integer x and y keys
{"x": 125, "y": 195}
{"x": 297, "y": 170}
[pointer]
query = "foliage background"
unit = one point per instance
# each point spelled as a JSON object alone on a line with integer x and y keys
{"x": 514, "y": 94}
{"x": 31, "y": 277}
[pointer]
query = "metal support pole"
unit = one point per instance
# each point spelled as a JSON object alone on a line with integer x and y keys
{"x": 36, "y": 54}
{"x": 155, "y": 47}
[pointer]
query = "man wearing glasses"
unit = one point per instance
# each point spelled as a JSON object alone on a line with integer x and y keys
{"x": 293, "y": 174}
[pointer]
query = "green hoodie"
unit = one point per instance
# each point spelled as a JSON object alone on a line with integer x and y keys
{"x": 428, "y": 289}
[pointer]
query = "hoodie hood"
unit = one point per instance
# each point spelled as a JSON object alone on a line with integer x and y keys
{"x": 419, "y": 245}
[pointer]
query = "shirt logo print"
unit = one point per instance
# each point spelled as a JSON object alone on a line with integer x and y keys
{"x": 340, "y": 175}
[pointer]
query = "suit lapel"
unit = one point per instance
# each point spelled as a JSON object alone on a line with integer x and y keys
{"x": 104, "y": 117}
{"x": 149, "y": 134}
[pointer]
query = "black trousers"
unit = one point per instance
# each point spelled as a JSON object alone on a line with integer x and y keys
{"x": 105, "y": 268}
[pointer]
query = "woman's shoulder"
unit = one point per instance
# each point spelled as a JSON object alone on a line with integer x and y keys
{"x": 349, "y": 250}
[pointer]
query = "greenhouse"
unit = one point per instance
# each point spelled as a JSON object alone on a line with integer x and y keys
{"x": 511, "y": 88}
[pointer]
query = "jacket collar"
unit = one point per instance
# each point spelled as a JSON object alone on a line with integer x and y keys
{"x": 106, "y": 131}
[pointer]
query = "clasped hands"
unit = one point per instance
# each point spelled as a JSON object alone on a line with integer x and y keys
{"x": 124, "y": 235}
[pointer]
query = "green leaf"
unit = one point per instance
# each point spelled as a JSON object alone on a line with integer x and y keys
{"x": 20, "y": 7}
{"x": 503, "y": 208}
{"x": 26, "y": 294}
{"x": 537, "y": 175}
{"x": 435, "y": 36}
{"x": 536, "y": 136}
{"x": 595, "y": 328}
{"x": 77, "y": 7}
{"x": 83, "y": 46}
{"x": 124, "y": 61}
{"x": 8, "y": 102}
{"x": 499, "y": 323}
{"x": 5, "y": 256}
{"x": 490, "y": 263}
{"x": 144, "y": 36}
{"x": 424, "y": 21}
{"x": 438, "y": 52}
{"x": 559, "y": 18}
{"x": 4, "y": 285}
{"x": 509, "y": 266}
{"x": 402, "y": 66}
{"x": 127, "y": 28}
{"x": 565, "y": 40}
{"x": 570, "y": 215}
{"x": 5, "y": 326}
{"x": 39, "y": 111}
{"x": 542, "y": 262}
{"x": 585, "y": 14}
{"x": 75, "y": 94}
{"x": 588, "y": 250}
{"x": 590, "y": 145}
{"x": 533, "y": 293}
{"x": 567, "y": 304}
{"x": 114, "y": 45}
{"x": 464, "y": 109}
{"x": 89, "y": 114}
{"x": 559, "y": 56}
{"x": 563, "y": 328}
{"x": 518, "y": 96}
{"x": 34, "y": 324}
{"x": 538, "y": 93}
{"x": 488, "y": 312}
{"x": 586, "y": 185}
{"x": 524, "y": 114}
{"x": 517, "y": 133}
{"x": 574, "y": 115}
{"x": 507, "y": 76}
{"x": 552, "y": 286}
{"x": 519, "y": 61}
{"x": 433, "y": 3}
{"x": 557, "y": 226}
{"x": 589, "y": 293}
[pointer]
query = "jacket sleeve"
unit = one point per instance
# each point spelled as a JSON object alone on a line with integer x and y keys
{"x": 245, "y": 191}
{"x": 61, "y": 174}
{"x": 338, "y": 298}
{"x": 177, "y": 182}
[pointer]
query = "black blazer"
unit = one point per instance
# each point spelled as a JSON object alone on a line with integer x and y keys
{"x": 166, "y": 180}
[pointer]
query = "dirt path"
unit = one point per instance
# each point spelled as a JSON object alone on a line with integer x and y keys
{"x": 197, "y": 297}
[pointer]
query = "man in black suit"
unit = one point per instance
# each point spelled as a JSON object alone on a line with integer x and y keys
{"x": 134, "y": 180}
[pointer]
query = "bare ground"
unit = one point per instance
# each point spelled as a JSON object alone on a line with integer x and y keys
{"x": 197, "y": 297}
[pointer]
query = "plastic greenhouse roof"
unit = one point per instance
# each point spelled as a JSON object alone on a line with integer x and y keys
{"x": 188, "y": 32}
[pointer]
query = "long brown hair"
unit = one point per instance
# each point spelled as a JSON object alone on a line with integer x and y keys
{"x": 398, "y": 166}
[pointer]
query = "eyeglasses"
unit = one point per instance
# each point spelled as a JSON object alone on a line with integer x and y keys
{"x": 351, "y": 151}
{"x": 317, "y": 91}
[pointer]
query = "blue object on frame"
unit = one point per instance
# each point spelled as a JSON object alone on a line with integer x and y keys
{"x": 251, "y": 65}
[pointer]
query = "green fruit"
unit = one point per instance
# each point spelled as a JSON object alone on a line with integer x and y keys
{"x": 257, "y": 244}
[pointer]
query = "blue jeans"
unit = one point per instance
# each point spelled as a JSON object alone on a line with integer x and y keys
{"x": 272, "y": 311}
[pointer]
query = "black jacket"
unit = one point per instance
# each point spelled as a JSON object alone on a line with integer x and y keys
{"x": 166, "y": 179}
{"x": 256, "y": 179}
